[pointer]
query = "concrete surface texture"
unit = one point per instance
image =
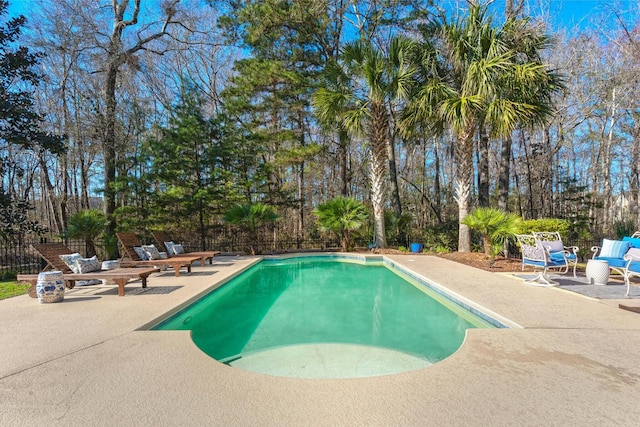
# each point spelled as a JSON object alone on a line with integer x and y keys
{"x": 86, "y": 361}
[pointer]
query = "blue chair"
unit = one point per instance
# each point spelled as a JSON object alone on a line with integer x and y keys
{"x": 552, "y": 243}
{"x": 535, "y": 255}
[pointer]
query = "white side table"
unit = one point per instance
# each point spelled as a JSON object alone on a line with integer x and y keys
{"x": 597, "y": 272}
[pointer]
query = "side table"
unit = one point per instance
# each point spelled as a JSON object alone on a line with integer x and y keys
{"x": 597, "y": 272}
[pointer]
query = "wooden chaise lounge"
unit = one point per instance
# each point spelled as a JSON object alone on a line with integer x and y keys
{"x": 160, "y": 237}
{"x": 129, "y": 241}
{"x": 51, "y": 252}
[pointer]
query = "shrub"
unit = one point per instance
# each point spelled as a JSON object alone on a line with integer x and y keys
{"x": 442, "y": 237}
{"x": 495, "y": 225}
{"x": 344, "y": 216}
{"x": 624, "y": 227}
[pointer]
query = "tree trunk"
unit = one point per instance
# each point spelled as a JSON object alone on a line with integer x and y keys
{"x": 437, "y": 193}
{"x": 379, "y": 132}
{"x": 109, "y": 151}
{"x": 634, "y": 175}
{"x": 464, "y": 175}
{"x": 51, "y": 196}
{"x": 343, "y": 159}
{"x": 393, "y": 176}
{"x": 606, "y": 164}
{"x": 483, "y": 167}
{"x": 504, "y": 173}
{"x": 116, "y": 57}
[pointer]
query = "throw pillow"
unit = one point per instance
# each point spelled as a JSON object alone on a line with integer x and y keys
{"x": 141, "y": 253}
{"x": 178, "y": 249}
{"x": 152, "y": 251}
{"x": 554, "y": 246}
{"x": 87, "y": 265}
{"x": 634, "y": 242}
{"x": 70, "y": 260}
{"x": 613, "y": 248}
{"x": 169, "y": 247}
{"x": 634, "y": 254}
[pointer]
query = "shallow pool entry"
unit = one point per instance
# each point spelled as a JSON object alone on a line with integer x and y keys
{"x": 324, "y": 317}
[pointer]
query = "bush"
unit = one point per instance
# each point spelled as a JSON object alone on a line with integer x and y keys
{"x": 546, "y": 224}
{"x": 442, "y": 237}
{"x": 624, "y": 227}
{"x": 495, "y": 226}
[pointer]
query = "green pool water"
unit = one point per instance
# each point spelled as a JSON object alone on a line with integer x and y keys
{"x": 324, "y": 300}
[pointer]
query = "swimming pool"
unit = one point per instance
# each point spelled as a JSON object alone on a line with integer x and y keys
{"x": 289, "y": 316}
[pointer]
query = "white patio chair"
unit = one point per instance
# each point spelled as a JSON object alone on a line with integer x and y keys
{"x": 536, "y": 256}
{"x": 552, "y": 243}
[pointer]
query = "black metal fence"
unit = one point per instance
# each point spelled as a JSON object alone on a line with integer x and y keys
{"x": 20, "y": 258}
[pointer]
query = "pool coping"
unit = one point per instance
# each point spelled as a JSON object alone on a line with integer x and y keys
{"x": 573, "y": 362}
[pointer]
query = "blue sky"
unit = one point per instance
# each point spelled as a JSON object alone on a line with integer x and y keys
{"x": 571, "y": 13}
{"x": 562, "y": 13}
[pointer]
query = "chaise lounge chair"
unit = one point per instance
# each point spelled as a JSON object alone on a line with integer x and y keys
{"x": 129, "y": 241}
{"x": 535, "y": 255}
{"x": 161, "y": 238}
{"x": 51, "y": 252}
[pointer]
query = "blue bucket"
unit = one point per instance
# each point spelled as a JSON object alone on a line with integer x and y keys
{"x": 416, "y": 247}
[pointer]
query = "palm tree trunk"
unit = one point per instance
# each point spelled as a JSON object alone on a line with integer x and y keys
{"x": 483, "y": 168}
{"x": 464, "y": 172}
{"x": 503, "y": 173}
{"x": 343, "y": 146}
{"x": 393, "y": 176}
{"x": 378, "y": 137}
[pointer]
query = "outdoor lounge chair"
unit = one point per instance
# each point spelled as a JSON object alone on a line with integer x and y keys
{"x": 161, "y": 237}
{"x": 129, "y": 241}
{"x": 552, "y": 243}
{"x": 51, "y": 252}
{"x": 536, "y": 256}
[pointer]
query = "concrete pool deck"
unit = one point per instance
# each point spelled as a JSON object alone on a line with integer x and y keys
{"x": 84, "y": 361}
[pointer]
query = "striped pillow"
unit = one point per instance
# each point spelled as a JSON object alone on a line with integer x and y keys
{"x": 613, "y": 248}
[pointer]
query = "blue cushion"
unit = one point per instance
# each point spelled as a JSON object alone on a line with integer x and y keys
{"x": 635, "y": 266}
{"x": 560, "y": 256}
{"x": 614, "y": 248}
{"x": 613, "y": 262}
{"x": 633, "y": 241}
{"x": 551, "y": 263}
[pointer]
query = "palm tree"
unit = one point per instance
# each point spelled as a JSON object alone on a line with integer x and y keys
{"x": 357, "y": 94}
{"x": 477, "y": 75}
{"x": 87, "y": 225}
{"x": 344, "y": 216}
{"x": 251, "y": 216}
{"x": 495, "y": 225}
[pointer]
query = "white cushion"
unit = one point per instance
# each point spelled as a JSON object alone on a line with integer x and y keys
{"x": 169, "y": 247}
{"x": 554, "y": 246}
{"x": 70, "y": 260}
{"x": 178, "y": 249}
{"x": 111, "y": 264}
{"x": 152, "y": 251}
{"x": 613, "y": 248}
{"x": 634, "y": 254}
{"x": 87, "y": 265}
{"x": 141, "y": 253}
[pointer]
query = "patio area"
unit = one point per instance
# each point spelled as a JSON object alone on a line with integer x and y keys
{"x": 569, "y": 359}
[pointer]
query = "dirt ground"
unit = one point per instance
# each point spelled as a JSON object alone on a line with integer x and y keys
{"x": 479, "y": 260}
{"x": 474, "y": 259}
